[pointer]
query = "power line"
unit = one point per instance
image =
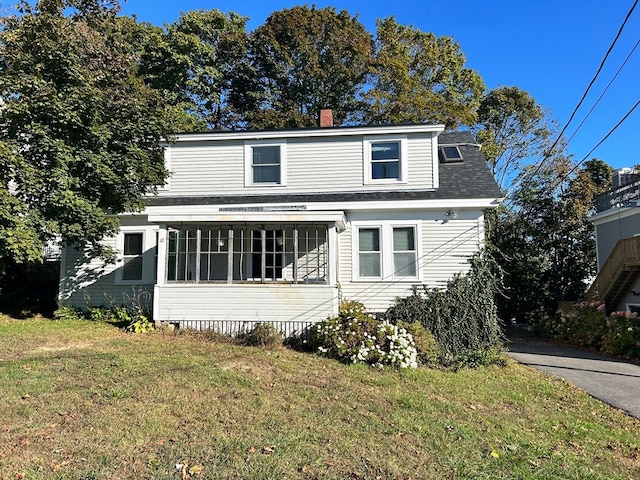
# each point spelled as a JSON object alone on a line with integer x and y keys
{"x": 597, "y": 73}
{"x": 604, "y": 91}
{"x": 575, "y": 110}
{"x": 603, "y": 139}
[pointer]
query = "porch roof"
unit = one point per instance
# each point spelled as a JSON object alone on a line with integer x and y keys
{"x": 252, "y": 216}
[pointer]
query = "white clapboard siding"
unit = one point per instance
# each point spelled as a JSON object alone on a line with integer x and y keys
{"x": 90, "y": 282}
{"x": 206, "y": 168}
{"x": 420, "y": 161}
{"x": 446, "y": 247}
{"x": 324, "y": 164}
{"x": 318, "y": 165}
{"x": 284, "y": 305}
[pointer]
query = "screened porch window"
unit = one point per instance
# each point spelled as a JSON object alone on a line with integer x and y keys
{"x": 258, "y": 253}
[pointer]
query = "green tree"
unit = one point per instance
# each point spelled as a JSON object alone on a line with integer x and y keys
{"x": 514, "y": 130}
{"x": 80, "y": 130}
{"x": 545, "y": 242}
{"x": 300, "y": 61}
{"x": 418, "y": 77}
{"x": 193, "y": 62}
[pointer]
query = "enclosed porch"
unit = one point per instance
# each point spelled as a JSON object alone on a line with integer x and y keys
{"x": 229, "y": 276}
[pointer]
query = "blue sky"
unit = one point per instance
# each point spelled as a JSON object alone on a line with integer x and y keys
{"x": 550, "y": 48}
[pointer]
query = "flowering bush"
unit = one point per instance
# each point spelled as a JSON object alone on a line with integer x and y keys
{"x": 354, "y": 336}
{"x": 463, "y": 318}
{"x": 584, "y": 326}
{"x": 623, "y": 335}
{"x": 587, "y": 325}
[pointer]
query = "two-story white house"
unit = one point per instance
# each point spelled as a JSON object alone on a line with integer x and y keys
{"x": 279, "y": 226}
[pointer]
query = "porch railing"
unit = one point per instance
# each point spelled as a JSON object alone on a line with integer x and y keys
{"x": 618, "y": 275}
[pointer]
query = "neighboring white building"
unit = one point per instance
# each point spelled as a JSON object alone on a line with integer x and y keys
{"x": 278, "y": 226}
{"x": 617, "y": 225}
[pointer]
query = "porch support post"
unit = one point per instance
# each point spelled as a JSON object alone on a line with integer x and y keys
{"x": 230, "y": 255}
{"x": 161, "y": 276}
{"x": 332, "y": 267}
{"x": 295, "y": 253}
{"x": 263, "y": 257}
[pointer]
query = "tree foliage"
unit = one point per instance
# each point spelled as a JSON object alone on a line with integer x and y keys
{"x": 194, "y": 61}
{"x": 80, "y": 130}
{"x": 300, "y": 61}
{"x": 418, "y": 77}
{"x": 513, "y": 130}
{"x": 545, "y": 241}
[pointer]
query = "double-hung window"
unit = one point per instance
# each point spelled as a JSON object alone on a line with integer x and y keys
{"x": 265, "y": 164}
{"x": 404, "y": 252}
{"x": 132, "y": 257}
{"x": 385, "y": 160}
{"x": 369, "y": 252}
{"x": 386, "y": 252}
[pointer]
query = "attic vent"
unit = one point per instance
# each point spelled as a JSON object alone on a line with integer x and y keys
{"x": 450, "y": 154}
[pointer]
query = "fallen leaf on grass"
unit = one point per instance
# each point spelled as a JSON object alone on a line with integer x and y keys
{"x": 495, "y": 454}
{"x": 196, "y": 470}
{"x": 268, "y": 450}
{"x": 304, "y": 469}
{"x": 252, "y": 449}
{"x": 26, "y": 396}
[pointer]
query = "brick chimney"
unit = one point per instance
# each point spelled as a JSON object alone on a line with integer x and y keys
{"x": 326, "y": 118}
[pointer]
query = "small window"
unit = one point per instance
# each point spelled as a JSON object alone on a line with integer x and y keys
{"x": 265, "y": 166}
{"x": 132, "y": 257}
{"x": 385, "y": 160}
{"x": 369, "y": 252}
{"x": 450, "y": 154}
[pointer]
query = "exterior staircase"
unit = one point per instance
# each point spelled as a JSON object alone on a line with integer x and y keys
{"x": 618, "y": 275}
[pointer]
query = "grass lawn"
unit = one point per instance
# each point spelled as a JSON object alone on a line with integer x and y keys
{"x": 83, "y": 400}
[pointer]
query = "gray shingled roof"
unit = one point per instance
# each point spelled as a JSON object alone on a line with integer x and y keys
{"x": 469, "y": 179}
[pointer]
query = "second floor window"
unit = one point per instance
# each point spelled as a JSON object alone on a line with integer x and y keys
{"x": 385, "y": 160}
{"x": 266, "y": 164}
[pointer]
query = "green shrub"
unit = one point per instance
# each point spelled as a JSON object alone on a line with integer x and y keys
{"x": 622, "y": 336}
{"x": 262, "y": 335}
{"x": 481, "y": 358}
{"x": 427, "y": 348}
{"x": 463, "y": 318}
{"x": 584, "y": 326}
{"x": 353, "y": 336}
{"x": 67, "y": 312}
{"x": 138, "y": 323}
{"x": 588, "y": 326}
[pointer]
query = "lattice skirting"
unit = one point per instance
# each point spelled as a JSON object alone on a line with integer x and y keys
{"x": 237, "y": 327}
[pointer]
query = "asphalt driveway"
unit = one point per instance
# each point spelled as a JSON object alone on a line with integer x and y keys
{"x": 610, "y": 380}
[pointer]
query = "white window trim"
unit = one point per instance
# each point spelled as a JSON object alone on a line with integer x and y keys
{"x": 386, "y": 251}
{"x": 367, "y": 141}
{"x": 248, "y": 162}
{"x": 148, "y": 255}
